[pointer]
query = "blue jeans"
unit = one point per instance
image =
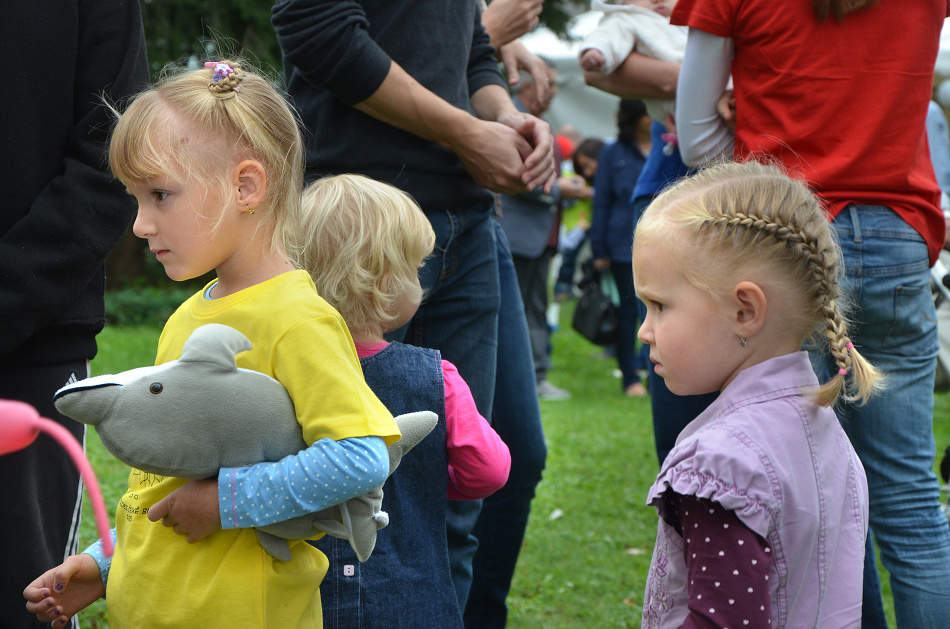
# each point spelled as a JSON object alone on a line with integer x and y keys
{"x": 459, "y": 317}
{"x": 630, "y": 359}
{"x": 894, "y": 327}
{"x": 516, "y": 417}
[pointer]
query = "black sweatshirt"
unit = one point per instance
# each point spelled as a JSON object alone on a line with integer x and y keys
{"x": 338, "y": 52}
{"x": 60, "y": 210}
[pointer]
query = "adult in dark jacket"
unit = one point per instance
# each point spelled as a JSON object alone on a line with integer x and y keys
{"x": 61, "y": 213}
{"x": 611, "y": 231}
{"x": 410, "y": 94}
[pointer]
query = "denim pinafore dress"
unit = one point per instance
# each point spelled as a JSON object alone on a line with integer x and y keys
{"x": 406, "y": 583}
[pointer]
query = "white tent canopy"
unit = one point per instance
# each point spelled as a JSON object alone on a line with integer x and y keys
{"x": 592, "y": 111}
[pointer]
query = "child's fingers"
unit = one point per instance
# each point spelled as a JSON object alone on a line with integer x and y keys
{"x": 45, "y": 608}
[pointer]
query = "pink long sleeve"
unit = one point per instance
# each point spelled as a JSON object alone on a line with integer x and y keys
{"x": 479, "y": 460}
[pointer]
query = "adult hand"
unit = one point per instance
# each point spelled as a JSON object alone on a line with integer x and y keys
{"x": 516, "y": 57}
{"x": 494, "y": 155}
{"x": 601, "y": 264}
{"x": 507, "y": 20}
{"x": 61, "y": 592}
{"x": 191, "y": 510}
{"x": 726, "y": 107}
{"x": 540, "y": 166}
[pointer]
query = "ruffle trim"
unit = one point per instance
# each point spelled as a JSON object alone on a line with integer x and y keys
{"x": 688, "y": 482}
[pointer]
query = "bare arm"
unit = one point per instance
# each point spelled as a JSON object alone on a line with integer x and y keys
{"x": 638, "y": 77}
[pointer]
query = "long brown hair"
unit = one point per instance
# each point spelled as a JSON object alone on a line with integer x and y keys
{"x": 840, "y": 8}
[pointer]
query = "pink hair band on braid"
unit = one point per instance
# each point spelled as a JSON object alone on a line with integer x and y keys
{"x": 850, "y": 345}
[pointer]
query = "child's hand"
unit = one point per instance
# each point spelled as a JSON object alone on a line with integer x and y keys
{"x": 593, "y": 60}
{"x": 726, "y": 106}
{"x": 61, "y": 592}
{"x": 190, "y": 510}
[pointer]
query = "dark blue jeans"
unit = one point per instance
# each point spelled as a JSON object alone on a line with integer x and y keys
{"x": 630, "y": 359}
{"x": 459, "y": 317}
{"x": 516, "y": 417}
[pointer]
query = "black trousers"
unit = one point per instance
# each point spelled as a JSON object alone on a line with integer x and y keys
{"x": 40, "y": 492}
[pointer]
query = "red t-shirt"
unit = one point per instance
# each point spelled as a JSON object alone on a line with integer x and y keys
{"x": 842, "y": 104}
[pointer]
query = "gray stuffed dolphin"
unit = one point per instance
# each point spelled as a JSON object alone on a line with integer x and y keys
{"x": 190, "y": 417}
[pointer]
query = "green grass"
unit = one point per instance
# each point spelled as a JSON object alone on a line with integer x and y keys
{"x": 590, "y": 538}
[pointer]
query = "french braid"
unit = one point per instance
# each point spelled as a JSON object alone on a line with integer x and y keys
{"x": 753, "y": 216}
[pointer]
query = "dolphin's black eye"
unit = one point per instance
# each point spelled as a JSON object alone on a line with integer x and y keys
{"x": 155, "y": 387}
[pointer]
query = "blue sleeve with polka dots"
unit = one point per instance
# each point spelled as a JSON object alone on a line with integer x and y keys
{"x": 324, "y": 474}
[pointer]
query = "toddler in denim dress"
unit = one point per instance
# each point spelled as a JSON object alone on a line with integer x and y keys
{"x": 363, "y": 243}
{"x": 762, "y": 503}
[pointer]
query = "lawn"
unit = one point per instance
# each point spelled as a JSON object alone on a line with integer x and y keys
{"x": 589, "y": 541}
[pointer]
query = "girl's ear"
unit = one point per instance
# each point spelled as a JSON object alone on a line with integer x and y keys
{"x": 250, "y": 183}
{"x": 751, "y": 304}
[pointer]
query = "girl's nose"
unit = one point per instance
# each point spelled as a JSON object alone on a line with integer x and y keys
{"x": 645, "y": 333}
{"x": 142, "y": 227}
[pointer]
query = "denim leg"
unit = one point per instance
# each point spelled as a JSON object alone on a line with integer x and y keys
{"x": 629, "y": 358}
{"x": 895, "y": 328}
{"x": 533, "y": 282}
{"x": 459, "y": 317}
{"x": 516, "y": 417}
{"x": 565, "y": 276}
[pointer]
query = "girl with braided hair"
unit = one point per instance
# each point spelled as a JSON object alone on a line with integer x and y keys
{"x": 214, "y": 158}
{"x": 763, "y": 502}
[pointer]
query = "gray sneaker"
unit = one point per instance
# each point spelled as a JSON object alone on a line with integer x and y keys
{"x": 547, "y": 391}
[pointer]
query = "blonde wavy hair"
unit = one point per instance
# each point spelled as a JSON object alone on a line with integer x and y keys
{"x": 735, "y": 221}
{"x": 188, "y": 126}
{"x": 362, "y": 241}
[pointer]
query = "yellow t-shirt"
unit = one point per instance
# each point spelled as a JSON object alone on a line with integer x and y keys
{"x": 157, "y": 578}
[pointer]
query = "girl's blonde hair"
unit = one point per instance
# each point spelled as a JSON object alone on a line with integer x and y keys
{"x": 362, "y": 242}
{"x": 735, "y": 221}
{"x": 190, "y": 126}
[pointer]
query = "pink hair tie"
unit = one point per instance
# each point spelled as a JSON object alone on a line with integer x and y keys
{"x": 842, "y": 372}
{"x": 850, "y": 345}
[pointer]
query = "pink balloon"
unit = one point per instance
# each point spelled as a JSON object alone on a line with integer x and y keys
{"x": 19, "y": 426}
{"x": 19, "y": 429}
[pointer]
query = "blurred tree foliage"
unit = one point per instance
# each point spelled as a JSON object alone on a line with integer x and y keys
{"x": 177, "y": 30}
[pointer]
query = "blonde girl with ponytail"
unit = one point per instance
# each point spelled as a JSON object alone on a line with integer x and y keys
{"x": 214, "y": 159}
